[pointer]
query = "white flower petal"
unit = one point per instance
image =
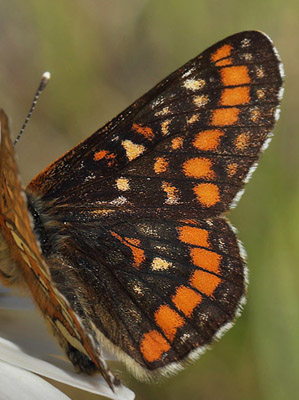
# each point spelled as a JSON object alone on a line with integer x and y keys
{"x": 26, "y": 343}
{"x": 16, "y": 383}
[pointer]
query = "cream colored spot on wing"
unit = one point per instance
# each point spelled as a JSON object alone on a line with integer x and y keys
{"x": 232, "y": 169}
{"x": 119, "y": 201}
{"x": 157, "y": 102}
{"x": 123, "y": 184}
{"x": 194, "y": 84}
{"x": 171, "y": 192}
{"x": 133, "y": 150}
{"x": 255, "y": 114}
{"x": 189, "y": 72}
{"x": 164, "y": 111}
{"x": 245, "y": 42}
{"x": 165, "y": 127}
{"x": 260, "y": 93}
{"x": 159, "y": 264}
{"x": 137, "y": 289}
{"x": 247, "y": 56}
{"x": 194, "y": 118}
{"x": 200, "y": 101}
{"x": 102, "y": 212}
{"x": 260, "y": 73}
{"x": 242, "y": 141}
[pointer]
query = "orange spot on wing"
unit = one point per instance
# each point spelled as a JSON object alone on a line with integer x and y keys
{"x": 235, "y": 75}
{"x": 198, "y": 168}
{"x": 207, "y": 194}
{"x": 99, "y": 155}
{"x": 160, "y": 165}
{"x": 235, "y": 96}
{"x": 204, "y": 282}
{"x": 186, "y": 299}
{"x": 223, "y": 63}
{"x": 193, "y": 235}
{"x": 146, "y": 131}
{"x": 225, "y": 116}
{"x": 177, "y": 143}
{"x": 153, "y": 345}
{"x": 222, "y": 52}
{"x": 205, "y": 259}
{"x": 138, "y": 254}
{"x": 111, "y": 155}
{"x": 208, "y": 140}
{"x": 104, "y": 154}
{"x": 189, "y": 221}
{"x": 169, "y": 321}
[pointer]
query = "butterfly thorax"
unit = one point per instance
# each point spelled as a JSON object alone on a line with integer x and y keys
{"x": 41, "y": 224}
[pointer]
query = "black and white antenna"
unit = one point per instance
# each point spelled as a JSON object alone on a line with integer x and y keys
{"x": 43, "y": 83}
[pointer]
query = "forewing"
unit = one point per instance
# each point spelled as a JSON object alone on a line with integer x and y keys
{"x": 186, "y": 146}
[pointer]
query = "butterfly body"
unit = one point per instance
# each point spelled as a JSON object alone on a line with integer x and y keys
{"x": 123, "y": 240}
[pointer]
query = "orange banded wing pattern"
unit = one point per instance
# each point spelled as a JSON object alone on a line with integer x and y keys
{"x": 161, "y": 288}
{"x": 186, "y": 146}
{"x": 134, "y": 247}
{"x": 20, "y": 248}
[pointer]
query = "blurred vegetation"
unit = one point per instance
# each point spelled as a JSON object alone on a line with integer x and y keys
{"x": 102, "y": 55}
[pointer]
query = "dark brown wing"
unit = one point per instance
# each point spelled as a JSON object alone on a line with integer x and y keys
{"x": 186, "y": 146}
{"x": 130, "y": 219}
{"x": 155, "y": 291}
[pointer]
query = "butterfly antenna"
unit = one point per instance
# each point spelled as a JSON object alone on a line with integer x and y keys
{"x": 43, "y": 83}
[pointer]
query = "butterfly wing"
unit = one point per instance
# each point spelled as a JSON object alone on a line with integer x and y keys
{"x": 154, "y": 291}
{"x": 130, "y": 220}
{"x": 188, "y": 143}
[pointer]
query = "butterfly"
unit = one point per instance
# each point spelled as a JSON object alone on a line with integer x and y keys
{"x": 123, "y": 241}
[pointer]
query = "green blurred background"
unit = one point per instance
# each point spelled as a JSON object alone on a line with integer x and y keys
{"x": 102, "y": 55}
